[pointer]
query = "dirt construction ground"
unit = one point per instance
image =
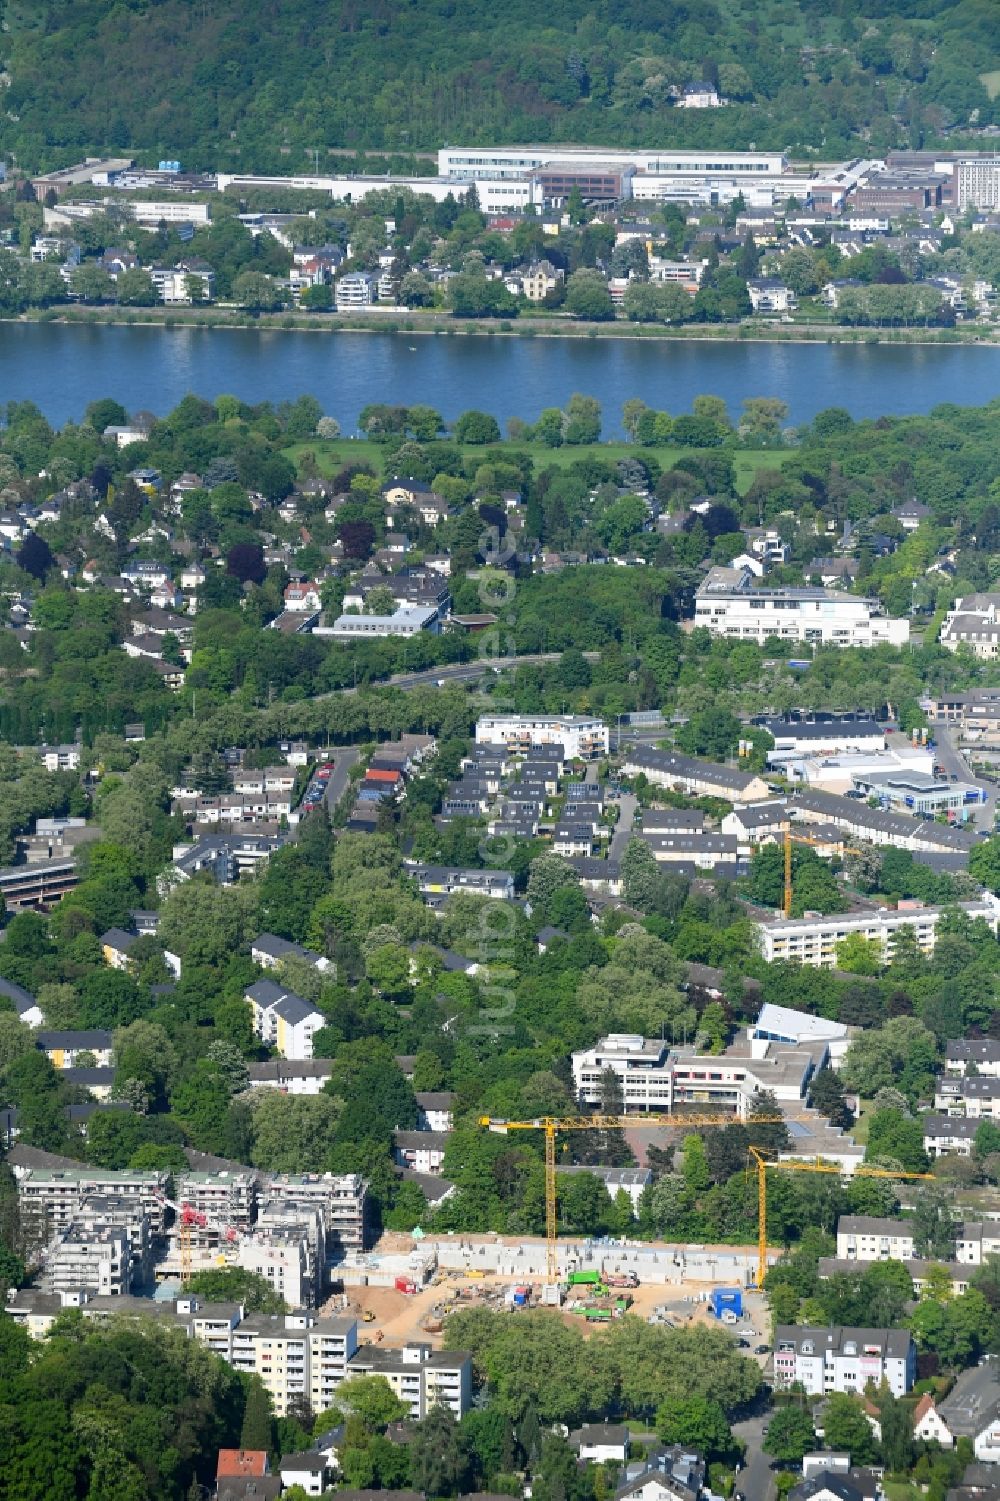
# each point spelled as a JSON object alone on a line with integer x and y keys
{"x": 404, "y": 1316}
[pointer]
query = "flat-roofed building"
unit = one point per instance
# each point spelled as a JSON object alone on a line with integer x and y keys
{"x": 728, "y": 604}
{"x": 578, "y": 737}
{"x": 59, "y": 1193}
{"x": 297, "y": 1357}
{"x": 814, "y": 940}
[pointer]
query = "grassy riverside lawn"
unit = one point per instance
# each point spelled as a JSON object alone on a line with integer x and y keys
{"x": 332, "y": 454}
{"x": 532, "y": 326}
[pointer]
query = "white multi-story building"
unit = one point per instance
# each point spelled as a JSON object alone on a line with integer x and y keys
{"x": 841, "y": 1359}
{"x": 355, "y": 289}
{"x": 169, "y": 211}
{"x": 974, "y": 621}
{"x": 977, "y": 1099}
{"x": 506, "y": 176}
{"x": 982, "y": 1053}
{"x": 949, "y": 1133}
{"x": 865, "y": 1237}
{"x": 296, "y": 1357}
{"x": 727, "y": 604}
{"x": 976, "y": 1242}
{"x": 977, "y": 182}
{"x": 579, "y": 737}
{"x": 283, "y": 1019}
{"x": 652, "y": 1076}
{"x": 814, "y": 940}
{"x": 420, "y": 1376}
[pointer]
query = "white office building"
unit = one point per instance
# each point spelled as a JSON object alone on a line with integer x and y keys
{"x": 727, "y": 604}
{"x": 505, "y": 175}
{"x": 407, "y": 620}
{"x": 654, "y": 1076}
{"x": 977, "y": 183}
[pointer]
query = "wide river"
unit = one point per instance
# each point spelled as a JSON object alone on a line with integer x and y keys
{"x": 63, "y": 367}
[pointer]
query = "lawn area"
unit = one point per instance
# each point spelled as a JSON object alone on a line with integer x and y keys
{"x": 899, "y": 1490}
{"x": 860, "y": 1128}
{"x": 331, "y": 454}
{"x": 991, "y": 82}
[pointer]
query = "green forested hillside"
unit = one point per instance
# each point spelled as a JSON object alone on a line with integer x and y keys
{"x": 264, "y": 83}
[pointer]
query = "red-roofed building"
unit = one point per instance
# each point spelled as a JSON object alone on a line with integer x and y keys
{"x": 928, "y": 1424}
{"x": 242, "y": 1464}
{"x": 302, "y": 597}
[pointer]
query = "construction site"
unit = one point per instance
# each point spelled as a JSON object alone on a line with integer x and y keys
{"x": 406, "y": 1287}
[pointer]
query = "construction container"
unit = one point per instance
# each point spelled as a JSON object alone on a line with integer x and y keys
{"x": 405, "y": 1285}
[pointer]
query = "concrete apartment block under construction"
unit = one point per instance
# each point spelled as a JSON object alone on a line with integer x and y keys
{"x": 93, "y": 1259}
{"x": 343, "y": 1200}
{"x": 290, "y": 1228}
{"x": 99, "y": 1213}
{"x": 55, "y": 1196}
{"x": 227, "y": 1198}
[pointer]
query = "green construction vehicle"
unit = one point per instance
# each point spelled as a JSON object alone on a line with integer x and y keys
{"x": 592, "y": 1281}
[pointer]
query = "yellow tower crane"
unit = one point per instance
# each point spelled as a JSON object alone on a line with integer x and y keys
{"x": 762, "y": 1166}
{"x": 552, "y": 1125}
{"x": 788, "y": 839}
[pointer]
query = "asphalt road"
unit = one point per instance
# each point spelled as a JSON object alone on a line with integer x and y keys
{"x": 457, "y": 672}
{"x": 952, "y": 759}
{"x": 343, "y": 758}
{"x": 755, "y": 1480}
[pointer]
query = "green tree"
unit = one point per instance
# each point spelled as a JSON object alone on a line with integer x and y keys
{"x": 476, "y": 428}
{"x": 234, "y": 1285}
{"x": 257, "y": 1431}
{"x": 587, "y": 297}
{"x": 846, "y": 1428}
{"x": 790, "y": 1435}
{"x": 134, "y": 288}
{"x": 695, "y": 1421}
{"x": 257, "y": 292}
{"x": 437, "y": 1460}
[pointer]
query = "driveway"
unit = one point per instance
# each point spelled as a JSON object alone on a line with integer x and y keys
{"x": 627, "y": 805}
